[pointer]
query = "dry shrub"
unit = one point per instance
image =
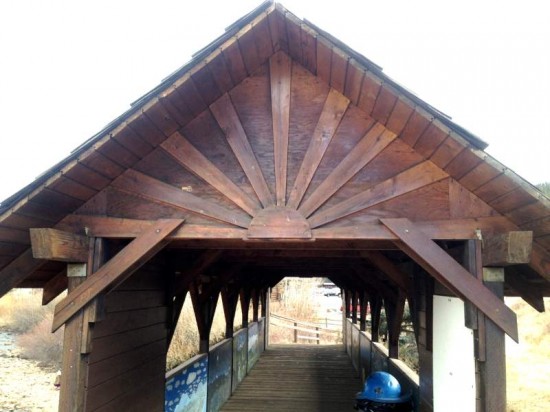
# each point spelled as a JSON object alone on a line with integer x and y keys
{"x": 41, "y": 344}
{"x": 21, "y": 310}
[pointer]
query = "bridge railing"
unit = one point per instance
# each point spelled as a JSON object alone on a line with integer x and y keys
{"x": 368, "y": 357}
{"x": 206, "y": 381}
{"x": 309, "y": 331}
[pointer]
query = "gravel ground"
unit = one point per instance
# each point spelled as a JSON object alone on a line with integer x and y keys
{"x": 24, "y": 386}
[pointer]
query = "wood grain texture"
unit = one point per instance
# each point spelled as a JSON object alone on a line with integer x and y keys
{"x": 407, "y": 181}
{"x": 186, "y": 154}
{"x": 280, "y": 75}
{"x": 53, "y": 244}
{"x": 226, "y": 116}
{"x": 451, "y": 274}
{"x": 333, "y": 111}
{"x": 374, "y": 142}
{"x": 116, "y": 270}
{"x": 142, "y": 185}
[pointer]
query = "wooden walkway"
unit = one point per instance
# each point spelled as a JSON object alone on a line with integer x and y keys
{"x": 303, "y": 378}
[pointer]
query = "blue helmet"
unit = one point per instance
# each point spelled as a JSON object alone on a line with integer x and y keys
{"x": 382, "y": 387}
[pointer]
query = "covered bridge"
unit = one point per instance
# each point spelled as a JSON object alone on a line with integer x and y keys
{"x": 277, "y": 151}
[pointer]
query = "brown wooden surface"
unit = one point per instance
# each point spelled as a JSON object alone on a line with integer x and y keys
{"x": 280, "y": 74}
{"x": 227, "y": 117}
{"x": 453, "y": 276}
{"x": 127, "y": 361}
{"x": 333, "y": 111}
{"x": 185, "y": 153}
{"x": 511, "y": 248}
{"x": 53, "y": 244}
{"x": 17, "y": 270}
{"x": 298, "y": 378}
{"x": 116, "y": 270}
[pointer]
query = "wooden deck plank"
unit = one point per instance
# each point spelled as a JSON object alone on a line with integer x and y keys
{"x": 298, "y": 378}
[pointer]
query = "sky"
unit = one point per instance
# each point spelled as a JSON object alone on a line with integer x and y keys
{"x": 69, "y": 67}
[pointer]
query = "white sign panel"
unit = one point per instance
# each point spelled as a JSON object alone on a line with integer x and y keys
{"x": 453, "y": 358}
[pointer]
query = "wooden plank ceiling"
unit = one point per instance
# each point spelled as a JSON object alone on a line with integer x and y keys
{"x": 276, "y": 130}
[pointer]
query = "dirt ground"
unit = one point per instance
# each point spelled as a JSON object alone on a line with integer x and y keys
{"x": 24, "y": 386}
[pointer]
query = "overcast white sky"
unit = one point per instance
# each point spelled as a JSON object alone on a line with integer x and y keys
{"x": 67, "y": 68}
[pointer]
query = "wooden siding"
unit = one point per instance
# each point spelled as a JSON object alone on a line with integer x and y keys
{"x": 128, "y": 357}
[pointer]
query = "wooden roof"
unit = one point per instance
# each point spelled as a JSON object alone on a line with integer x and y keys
{"x": 278, "y": 131}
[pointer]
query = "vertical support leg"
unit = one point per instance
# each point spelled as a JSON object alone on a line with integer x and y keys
{"x": 376, "y": 308}
{"x": 354, "y": 296}
{"x": 363, "y": 304}
{"x": 493, "y": 369}
{"x": 75, "y": 366}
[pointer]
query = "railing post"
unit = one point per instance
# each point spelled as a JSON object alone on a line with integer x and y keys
{"x": 295, "y": 332}
{"x": 318, "y": 336}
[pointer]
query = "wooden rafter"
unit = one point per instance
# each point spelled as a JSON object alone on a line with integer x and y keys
{"x": 188, "y": 156}
{"x": 145, "y": 186}
{"x": 335, "y": 106}
{"x": 386, "y": 266}
{"x": 203, "y": 262}
{"x": 116, "y": 270}
{"x": 374, "y": 141}
{"x": 17, "y": 270}
{"x": 451, "y": 274}
{"x": 531, "y": 294}
{"x": 280, "y": 74}
{"x": 54, "y": 287}
{"x": 228, "y": 119}
{"x": 411, "y": 179}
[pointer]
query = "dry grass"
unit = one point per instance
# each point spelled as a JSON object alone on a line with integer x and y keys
{"x": 185, "y": 343}
{"x": 21, "y": 312}
{"x": 300, "y": 301}
{"x": 528, "y": 363}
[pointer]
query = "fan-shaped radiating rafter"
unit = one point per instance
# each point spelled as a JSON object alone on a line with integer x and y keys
{"x": 411, "y": 179}
{"x": 137, "y": 183}
{"x": 354, "y": 148}
{"x": 333, "y": 110}
{"x": 374, "y": 141}
{"x": 188, "y": 156}
{"x": 228, "y": 119}
{"x": 280, "y": 74}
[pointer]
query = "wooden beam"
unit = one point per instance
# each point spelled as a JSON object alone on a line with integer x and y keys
{"x": 540, "y": 261}
{"x": 374, "y": 141}
{"x": 188, "y": 156}
{"x": 206, "y": 259}
{"x": 53, "y": 244}
{"x": 228, "y": 119}
{"x": 451, "y": 274}
{"x": 510, "y": 248}
{"x": 17, "y": 270}
{"x": 411, "y": 179}
{"x": 142, "y": 185}
{"x": 116, "y": 270}
{"x": 335, "y": 106}
{"x": 528, "y": 291}
{"x": 453, "y": 229}
{"x": 387, "y": 267}
{"x": 122, "y": 228}
{"x": 280, "y": 75}
{"x": 54, "y": 287}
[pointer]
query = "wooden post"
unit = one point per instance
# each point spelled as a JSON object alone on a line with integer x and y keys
{"x": 255, "y": 304}
{"x": 376, "y": 308}
{"x": 493, "y": 369}
{"x": 77, "y": 334}
{"x": 363, "y": 304}
{"x": 295, "y": 332}
{"x": 75, "y": 367}
{"x": 354, "y": 306}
